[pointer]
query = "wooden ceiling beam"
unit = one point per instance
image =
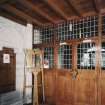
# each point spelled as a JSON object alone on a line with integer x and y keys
{"x": 36, "y": 9}
{"x": 74, "y": 7}
{"x": 3, "y": 1}
{"x": 56, "y": 8}
{"x": 6, "y": 1}
{"x": 13, "y": 18}
{"x": 21, "y": 14}
{"x": 96, "y": 5}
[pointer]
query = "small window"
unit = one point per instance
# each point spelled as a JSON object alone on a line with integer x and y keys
{"x": 48, "y": 57}
{"x": 65, "y": 57}
{"x": 86, "y": 56}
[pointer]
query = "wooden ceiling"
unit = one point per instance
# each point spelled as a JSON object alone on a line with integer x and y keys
{"x": 44, "y": 12}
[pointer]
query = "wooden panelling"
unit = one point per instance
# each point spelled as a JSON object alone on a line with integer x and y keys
{"x": 85, "y": 88}
{"x": 61, "y": 86}
{"x": 102, "y": 87}
{"x": 50, "y": 85}
{"x": 64, "y": 88}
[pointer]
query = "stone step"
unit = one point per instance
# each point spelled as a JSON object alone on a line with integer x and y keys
{"x": 11, "y": 98}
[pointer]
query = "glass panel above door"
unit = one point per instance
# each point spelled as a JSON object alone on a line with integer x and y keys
{"x": 86, "y": 54}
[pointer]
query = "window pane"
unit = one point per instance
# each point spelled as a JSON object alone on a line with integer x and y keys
{"x": 74, "y": 29}
{"x": 103, "y": 25}
{"x": 47, "y": 34}
{"x": 48, "y": 57}
{"x": 103, "y": 56}
{"x": 65, "y": 57}
{"x": 37, "y": 37}
{"x": 86, "y": 53}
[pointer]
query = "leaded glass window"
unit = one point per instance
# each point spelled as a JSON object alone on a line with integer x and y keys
{"x": 47, "y": 34}
{"x": 65, "y": 57}
{"x": 74, "y": 29}
{"x": 103, "y": 24}
{"x": 86, "y": 54}
{"x": 103, "y": 56}
{"x": 37, "y": 37}
{"x": 49, "y": 56}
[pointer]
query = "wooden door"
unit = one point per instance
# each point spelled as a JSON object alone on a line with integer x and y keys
{"x": 50, "y": 81}
{"x": 77, "y": 83}
{"x": 7, "y": 71}
{"x": 85, "y": 90}
{"x": 64, "y": 81}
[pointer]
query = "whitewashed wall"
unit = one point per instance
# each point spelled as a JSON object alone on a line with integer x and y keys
{"x": 19, "y": 37}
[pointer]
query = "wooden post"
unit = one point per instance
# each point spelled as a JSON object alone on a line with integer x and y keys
{"x": 99, "y": 60}
{"x": 35, "y": 67}
{"x": 42, "y": 73}
{"x": 35, "y": 97}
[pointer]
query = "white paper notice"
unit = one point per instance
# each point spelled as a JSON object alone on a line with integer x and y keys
{"x": 6, "y": 58}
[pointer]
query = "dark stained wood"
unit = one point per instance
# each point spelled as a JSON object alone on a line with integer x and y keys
{"x": 3, "y": 1}
{"x": 74, "y": 7}
{"x": 56, "y": 9}
{"x": 21, "y": 14}
{"x": 36, "y": 9}
{"x": 12, "y": 17}
{"x": 96, "y": 5}
{"x": 7, "y": 71}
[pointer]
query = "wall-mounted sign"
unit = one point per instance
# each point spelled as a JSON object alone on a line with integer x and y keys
{"x": 6, "y": 58}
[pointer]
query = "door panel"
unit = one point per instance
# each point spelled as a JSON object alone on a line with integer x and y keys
{"x": 64, "y": 86}
{"x": 49, "y": 77}
{"x": 85, "y": 83}
{"x": 85, "y": 88}
{"x": 64, "y": 82}
{"x": 7, "y": 71}
{"x": 103, "y": 88}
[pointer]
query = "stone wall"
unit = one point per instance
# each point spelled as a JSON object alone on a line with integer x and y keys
{"x": 18, "y": 37}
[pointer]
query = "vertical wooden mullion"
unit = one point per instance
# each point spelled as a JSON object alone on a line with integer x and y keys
{"x": 74, "y": 68}
{"x": 74, "y": 56}
{"x": 55, "y": 63}
{"x": 55, "y": 49}
{"x": 99, "y": 60}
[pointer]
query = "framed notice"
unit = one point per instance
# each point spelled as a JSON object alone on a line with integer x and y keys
{"x": 6, "y": 58}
